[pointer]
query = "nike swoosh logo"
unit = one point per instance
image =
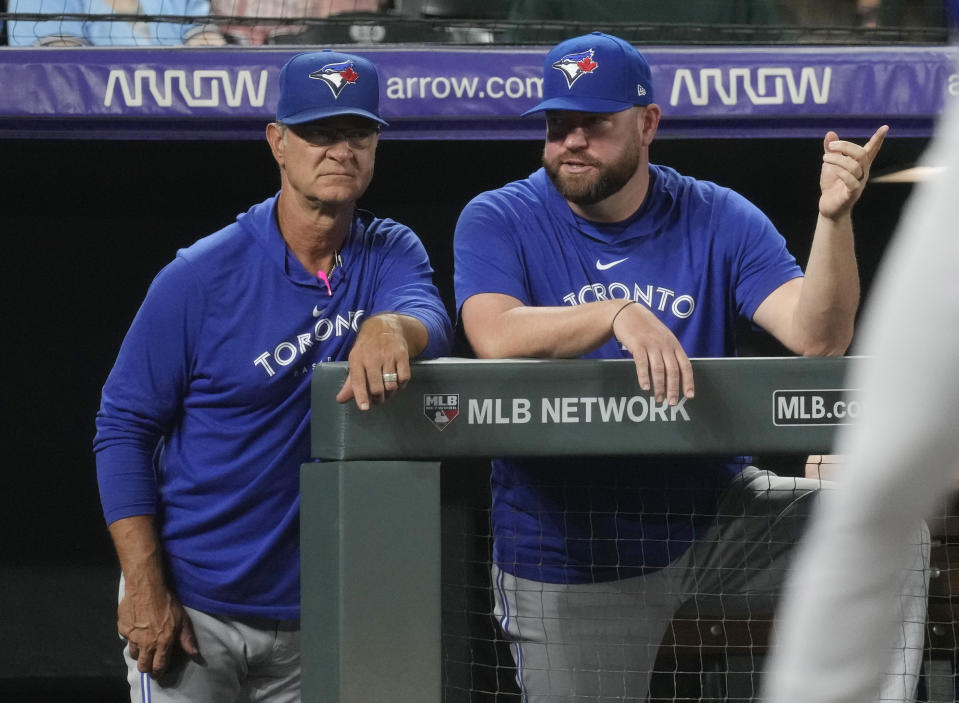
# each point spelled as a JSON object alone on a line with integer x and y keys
{"x": 603, "y": 267}
{"x": 316, "y": 311}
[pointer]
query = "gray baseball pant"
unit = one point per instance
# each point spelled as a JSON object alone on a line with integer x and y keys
{"x": 242, "y": 660}
{"x": 598, "y": 642}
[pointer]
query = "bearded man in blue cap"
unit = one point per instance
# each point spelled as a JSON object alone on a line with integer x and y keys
{"x": 204, "y": 420}
{"x": 602, "y": 254}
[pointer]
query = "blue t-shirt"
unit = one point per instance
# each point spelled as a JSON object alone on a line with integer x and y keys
{"x": 697, "y": 255}
{"x": 205, "y": 417}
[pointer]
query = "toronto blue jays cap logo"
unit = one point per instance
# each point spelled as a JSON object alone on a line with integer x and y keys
{"x": 575, "y": 66}
{"x": 337, "y": 76}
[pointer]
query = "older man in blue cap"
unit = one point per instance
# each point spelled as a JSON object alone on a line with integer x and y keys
{"x": 602, "y": 254}
{"x": 204, "y": 420}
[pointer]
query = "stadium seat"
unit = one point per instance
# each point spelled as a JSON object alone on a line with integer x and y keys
{"x": 643, "y": 21}
{"x": 466, "y": 9}
{"x": 362, "y": 28}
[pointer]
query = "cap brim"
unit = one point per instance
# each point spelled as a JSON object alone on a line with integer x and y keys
{"x": 323, "y": 112}
{"x": 579, "y": 104}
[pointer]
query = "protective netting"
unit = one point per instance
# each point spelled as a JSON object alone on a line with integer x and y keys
{"x": 713, "y": 648}
{"x": 292, "y": 22}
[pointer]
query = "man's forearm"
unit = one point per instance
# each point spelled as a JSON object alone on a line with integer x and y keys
{"x": 826, "y": 312}
{"x": 139, "y": 552}
{"x": 409, "y": 328}
{"x": 544, "y": 332}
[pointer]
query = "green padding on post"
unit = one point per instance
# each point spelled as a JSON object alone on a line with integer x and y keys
{"x": 462, "y": 408}
{"x": 370, "y": 553}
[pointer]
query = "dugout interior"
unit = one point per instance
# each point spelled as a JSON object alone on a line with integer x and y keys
{"x": 90, "y": 220}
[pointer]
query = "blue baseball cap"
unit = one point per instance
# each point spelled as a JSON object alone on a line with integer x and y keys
{"x": 321, "y": 84}
{"x": 594, "y": 73}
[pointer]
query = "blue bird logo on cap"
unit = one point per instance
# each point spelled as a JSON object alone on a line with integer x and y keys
{"x": 575, "y": 66}
{"x": 337, "y": 76}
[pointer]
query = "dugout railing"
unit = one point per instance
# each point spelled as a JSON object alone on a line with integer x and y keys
{"x": 371, "y": 594}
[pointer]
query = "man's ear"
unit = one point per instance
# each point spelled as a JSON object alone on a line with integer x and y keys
{"x": 275, "y": 138}
{"x": 649, "y": 123}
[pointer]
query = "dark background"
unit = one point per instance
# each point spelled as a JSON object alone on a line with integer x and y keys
{"x": 87, "y": 224}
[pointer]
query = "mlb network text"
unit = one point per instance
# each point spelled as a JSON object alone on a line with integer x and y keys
{"x": 571, "y": 410}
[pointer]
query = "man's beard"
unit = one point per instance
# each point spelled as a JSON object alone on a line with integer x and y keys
{"x": 591, "y": 189}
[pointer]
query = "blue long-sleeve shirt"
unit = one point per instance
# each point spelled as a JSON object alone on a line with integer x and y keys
{"x": 204, "y": 419}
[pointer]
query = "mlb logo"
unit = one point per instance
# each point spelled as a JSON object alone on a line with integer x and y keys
{"x": 441, "y": 409}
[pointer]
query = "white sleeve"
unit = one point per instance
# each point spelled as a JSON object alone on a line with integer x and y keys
{"x": 837, "y": 618}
